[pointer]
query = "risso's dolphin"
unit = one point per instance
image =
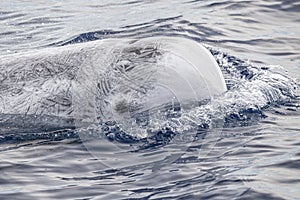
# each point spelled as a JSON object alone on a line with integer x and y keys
{"x": 123, "y": 80}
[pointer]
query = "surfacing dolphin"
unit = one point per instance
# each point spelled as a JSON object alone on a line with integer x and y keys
{"x": 128, "y": 81}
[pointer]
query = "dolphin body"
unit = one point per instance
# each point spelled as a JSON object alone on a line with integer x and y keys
{"x": 123, "y": 80}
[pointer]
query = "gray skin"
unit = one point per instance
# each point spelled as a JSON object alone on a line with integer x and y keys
{"x": 36, "y": 87}
{"x": 35, "y": 90}
{"x": 92, "y": 82}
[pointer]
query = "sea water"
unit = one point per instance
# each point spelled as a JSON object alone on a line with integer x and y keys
{"x": 246, "y": 144}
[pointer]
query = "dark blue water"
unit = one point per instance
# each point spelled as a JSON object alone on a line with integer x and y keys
{"x": 245, "y": 145}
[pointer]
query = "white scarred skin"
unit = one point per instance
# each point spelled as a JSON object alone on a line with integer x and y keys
{"x": 111, "y": 79}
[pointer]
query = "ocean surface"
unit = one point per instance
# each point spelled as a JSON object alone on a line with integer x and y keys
{"x": 243, "y": 145}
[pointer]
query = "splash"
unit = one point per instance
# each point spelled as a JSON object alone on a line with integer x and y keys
{"x": 251, "y": 89}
